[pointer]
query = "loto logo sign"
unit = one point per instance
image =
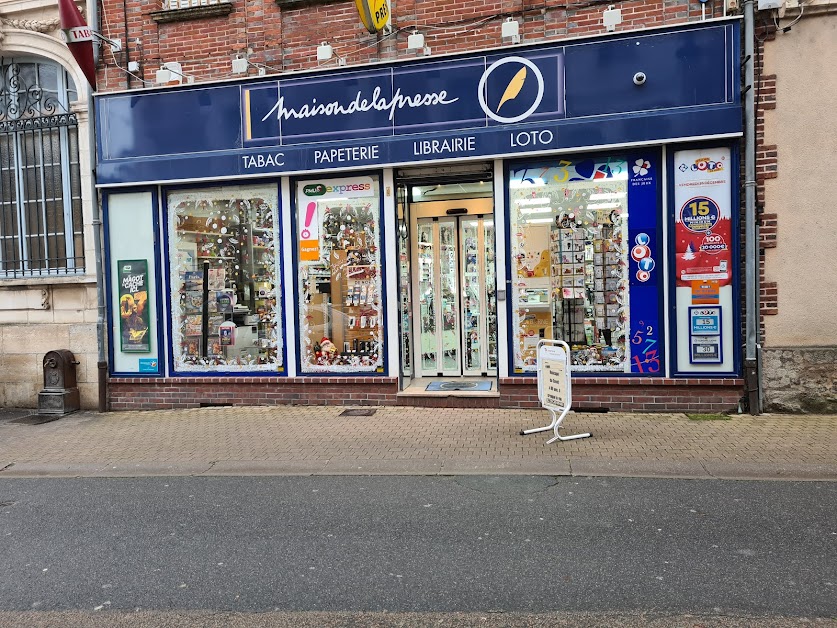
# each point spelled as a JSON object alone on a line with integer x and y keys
{"x": 703, "y": 164}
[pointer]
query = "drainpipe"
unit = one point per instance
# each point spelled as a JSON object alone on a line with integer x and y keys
{"x": 101, "y": 316}
{"x": 752, "y": 357}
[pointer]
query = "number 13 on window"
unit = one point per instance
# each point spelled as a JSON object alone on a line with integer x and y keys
{"x": 644, "y": 348}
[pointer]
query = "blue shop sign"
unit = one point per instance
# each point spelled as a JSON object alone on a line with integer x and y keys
{"x": 533, "y": 99}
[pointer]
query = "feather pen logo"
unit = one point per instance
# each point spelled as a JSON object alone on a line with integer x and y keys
{"x": 512, "y": 89}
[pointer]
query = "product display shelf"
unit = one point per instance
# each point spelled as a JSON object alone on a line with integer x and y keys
{"x": 355, "y": 300}
{"x": 244, "y": 276}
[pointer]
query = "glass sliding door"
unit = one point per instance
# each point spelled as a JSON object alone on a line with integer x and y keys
{"x": 426, "y": 298}
{"x": 456, "y": 303}
{"x": 449, "y": 296}
{"x": 479, "y": 303}
{"x": 438, "y": 296}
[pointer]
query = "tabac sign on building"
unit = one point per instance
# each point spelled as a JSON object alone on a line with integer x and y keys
{"x": 540, "y": 98}
{"x": 374, "y": 14}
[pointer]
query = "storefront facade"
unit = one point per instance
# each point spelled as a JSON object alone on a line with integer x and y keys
{"x": 335, "y": 237}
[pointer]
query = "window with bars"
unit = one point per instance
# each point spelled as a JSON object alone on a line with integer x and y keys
{"x": 41, "y": 224}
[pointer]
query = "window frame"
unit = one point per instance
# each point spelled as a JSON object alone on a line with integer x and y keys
{"x": 35, "y": 110}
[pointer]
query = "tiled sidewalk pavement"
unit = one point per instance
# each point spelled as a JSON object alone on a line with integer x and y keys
{"x": 399, "y": 440}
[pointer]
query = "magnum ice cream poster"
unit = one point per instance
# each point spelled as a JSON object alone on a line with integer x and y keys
{"x": 134, "y": 317}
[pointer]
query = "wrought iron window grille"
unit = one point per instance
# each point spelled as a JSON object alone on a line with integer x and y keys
{"x": 41, "y": 224}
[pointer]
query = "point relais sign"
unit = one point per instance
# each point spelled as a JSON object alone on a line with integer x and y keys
{"x": 536, "y": 99}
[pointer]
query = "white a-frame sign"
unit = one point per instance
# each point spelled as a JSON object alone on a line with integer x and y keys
{"x": 554, "y": 386}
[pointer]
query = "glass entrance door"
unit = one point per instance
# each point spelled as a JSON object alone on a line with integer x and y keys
{"x": 479, "y": 303}
{"x": 454, "y": 296}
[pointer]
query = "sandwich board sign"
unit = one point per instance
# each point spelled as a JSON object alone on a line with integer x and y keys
{"x": 554, "y": 386}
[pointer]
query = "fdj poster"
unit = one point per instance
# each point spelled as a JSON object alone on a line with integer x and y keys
{"x": 703, "y": 218}
{"x": 134, "y": 317}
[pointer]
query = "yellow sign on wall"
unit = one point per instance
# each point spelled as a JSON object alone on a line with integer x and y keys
{"x": 374, "y": 14}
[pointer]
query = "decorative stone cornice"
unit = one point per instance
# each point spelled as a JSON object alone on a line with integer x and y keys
{"x": 39, "y": 26}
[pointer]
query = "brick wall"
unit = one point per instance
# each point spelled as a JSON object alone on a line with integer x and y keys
{"x": 657, "y": 394}
{"x": 767, "y": 167}
{"x": 151, "y": 393}
{"x": 282, "y": 37}
{"x": 611, "y": 393}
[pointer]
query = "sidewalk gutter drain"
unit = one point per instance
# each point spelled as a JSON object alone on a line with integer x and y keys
{"x": 358, "y": 412}
{"x": 216, "y": 405}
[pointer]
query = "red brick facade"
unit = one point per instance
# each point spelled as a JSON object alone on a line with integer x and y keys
{"x": 589, "y": 393}
{"x": 767, "y": 167}
{"x": 280, "y": 36}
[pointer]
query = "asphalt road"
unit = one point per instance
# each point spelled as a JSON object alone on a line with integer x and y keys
{"x": 419, "y": 544}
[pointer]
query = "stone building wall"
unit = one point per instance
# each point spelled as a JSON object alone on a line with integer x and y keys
{"x": 800, "y": 330}
{"x": 40, "y": 314}
{"x": 34, "y": 320}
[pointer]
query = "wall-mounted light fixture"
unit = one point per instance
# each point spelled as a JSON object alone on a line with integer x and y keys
{"x": 240, "y": 64}
{"x": 171, "y": 73}
{"x": 325, "y": 51}
{"x": 415, "y": 43}
{"x": 510, "y": 30}
{"x": 611, "y": 18}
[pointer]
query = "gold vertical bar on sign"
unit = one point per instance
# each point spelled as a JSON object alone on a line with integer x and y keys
{"x": 247, "y": 123}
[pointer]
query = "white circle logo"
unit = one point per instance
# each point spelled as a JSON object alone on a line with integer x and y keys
{"x": 512, "y": 89}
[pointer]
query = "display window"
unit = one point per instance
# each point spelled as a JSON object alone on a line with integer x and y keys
{"x": 225, "y": 292}
{"x": 340, "y": 276}
{"x": 577, "y": 264}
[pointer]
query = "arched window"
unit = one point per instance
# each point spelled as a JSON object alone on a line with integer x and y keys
{"x": 41, "y": 225}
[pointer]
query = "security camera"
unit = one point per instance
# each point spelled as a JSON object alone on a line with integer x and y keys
{"x": 640, "y": 78}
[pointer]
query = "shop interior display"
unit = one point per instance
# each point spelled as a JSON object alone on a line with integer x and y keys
{"x": 341, "y": 292}
{"x": 224, "y": 280}
{"x": 571, "y": 265}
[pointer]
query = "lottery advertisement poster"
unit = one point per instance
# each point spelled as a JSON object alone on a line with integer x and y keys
{"x": 703, "y": 216}
{"x": 703, "y": 263}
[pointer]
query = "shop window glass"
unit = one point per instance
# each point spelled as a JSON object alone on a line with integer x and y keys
{"x": 340, "y": 286}
{"x": 225, "y": 289}
{"x": 569, "y": 244}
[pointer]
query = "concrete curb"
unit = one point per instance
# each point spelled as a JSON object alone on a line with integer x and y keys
{"x": 577, "y": 468}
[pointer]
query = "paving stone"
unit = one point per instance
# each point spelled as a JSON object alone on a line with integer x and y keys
{"x": 297, "y": 440}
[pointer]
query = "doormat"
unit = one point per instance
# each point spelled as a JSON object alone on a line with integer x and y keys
{"x": 358, "y": 412}
{"x": 463, "y": 386}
